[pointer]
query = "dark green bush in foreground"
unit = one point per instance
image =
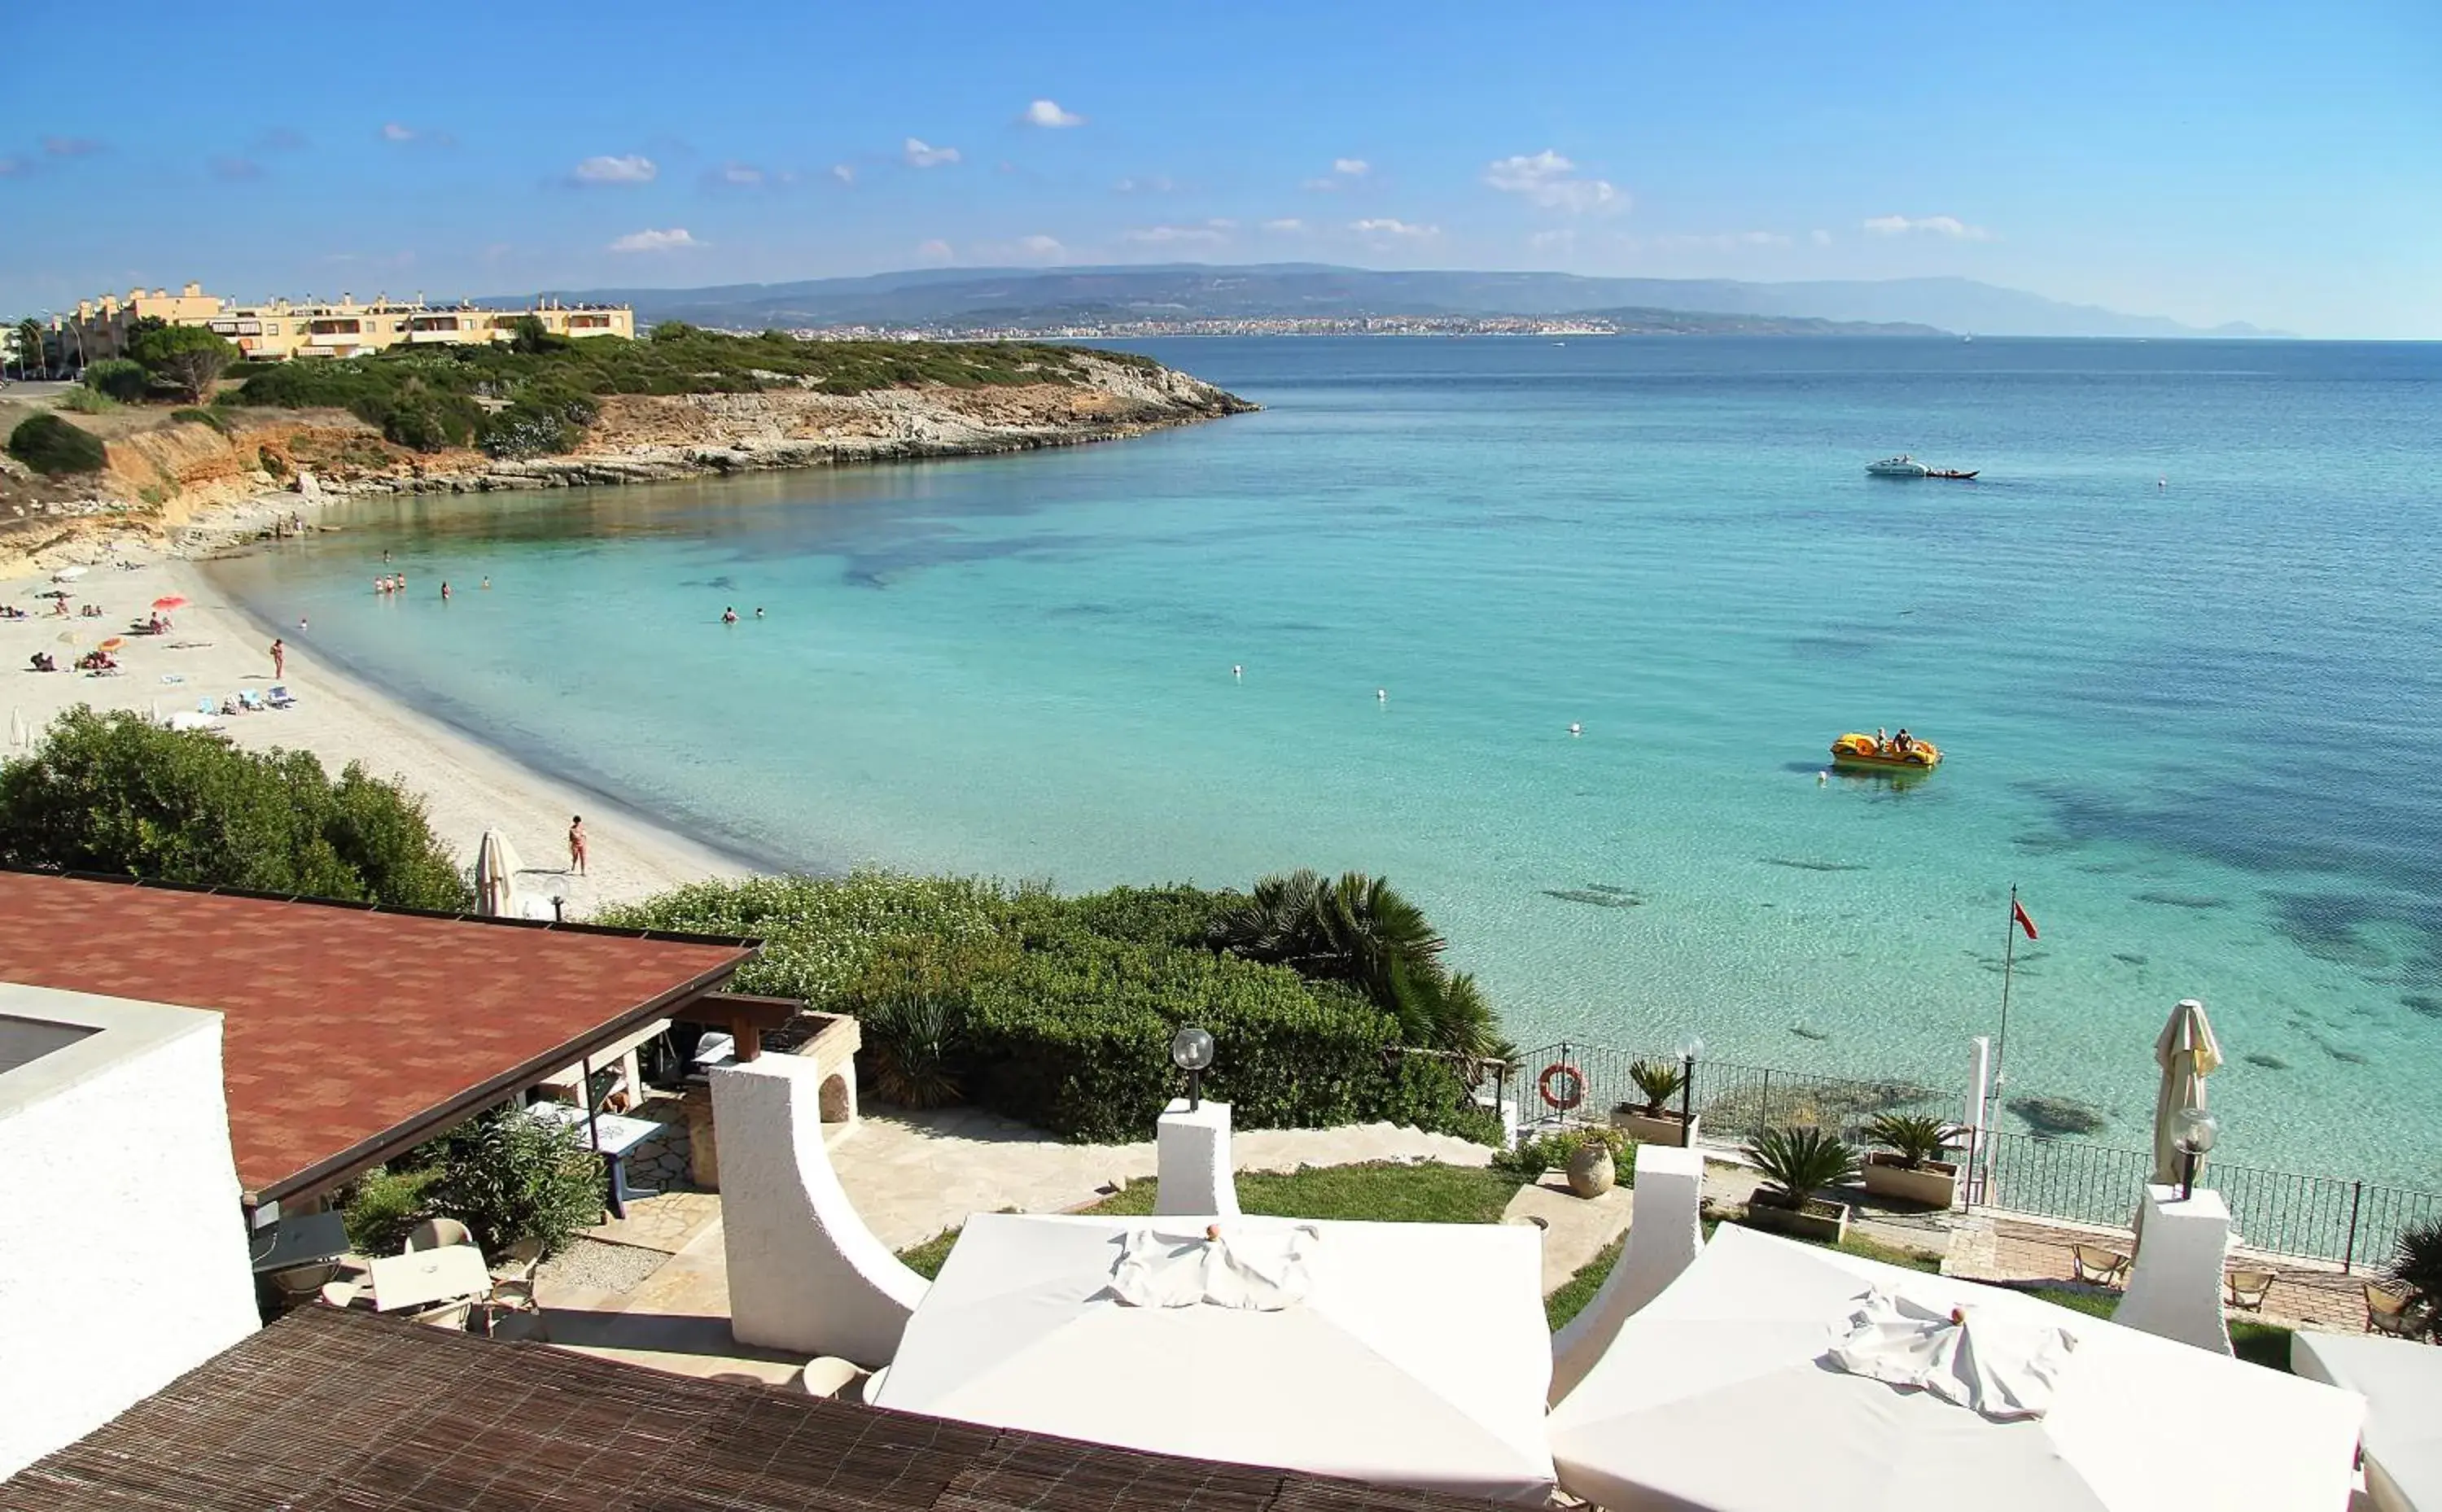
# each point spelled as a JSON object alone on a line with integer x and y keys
{"x": 115, "y": 794}
{"x": 1059, "y": 1011}
{"x": 118, "y": 378}
{"x": 55, "y": 448}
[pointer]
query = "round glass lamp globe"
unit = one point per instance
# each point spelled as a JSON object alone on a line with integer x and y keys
{"x": 1191, "y": 1049}
{"x": 2197, "y": 1130}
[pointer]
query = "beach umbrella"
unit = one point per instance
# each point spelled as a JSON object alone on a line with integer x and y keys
{"x": 171, "y": 601}
{"x": 496, "y": 876}
{"x": 18, "y": 734}
{"x": 68, "y": 637}
{"x": 1775, "y": 1375}
{"x": 55, "y": 592}
{"x": 2187, "y": 1052}
{"x": 68, "y": 574}
{"x": 114, "y": 643}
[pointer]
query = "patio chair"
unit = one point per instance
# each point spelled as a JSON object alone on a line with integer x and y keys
{"x": 2247, "y": 1289}
{"x": 449, "y": 1314}
{"x": 514, "y": 1297}
{"x": 438, "y": 1234}
{"x": 516, "y": 1268}
{"x": 2387, "y": 1312}
{"x": 2105, "y": 1267}
{"x": 348, "y": 1293}
{"x": 830, "y": 1375}
{"x": 302, "y": 1283}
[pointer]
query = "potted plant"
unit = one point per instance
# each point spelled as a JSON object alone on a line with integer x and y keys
{"x": 1797, "y": 1162}
{"x": 1592, "y": 1165}
{"x": 1656, "y": 1121}
{"x": 1906, "y": 1167}
{"x": 2417, "y": 1266}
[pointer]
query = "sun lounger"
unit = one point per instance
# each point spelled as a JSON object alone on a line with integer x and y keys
{"x": 248, "y": 700}
{"x": 280, "y": 697}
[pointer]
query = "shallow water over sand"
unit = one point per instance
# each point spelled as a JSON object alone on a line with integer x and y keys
{"x": 2195, "y": 723}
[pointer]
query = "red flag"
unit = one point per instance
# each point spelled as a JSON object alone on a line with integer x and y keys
{"x": 2019, "y": 914}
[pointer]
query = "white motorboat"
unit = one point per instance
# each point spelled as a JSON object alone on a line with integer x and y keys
{"x": 1902, "y": 466}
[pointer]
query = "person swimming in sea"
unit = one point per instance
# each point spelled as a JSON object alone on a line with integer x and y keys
{"x": 729, "y": 616}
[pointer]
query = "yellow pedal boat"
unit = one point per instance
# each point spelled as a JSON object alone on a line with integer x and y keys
{"x": 1863, "y": 753}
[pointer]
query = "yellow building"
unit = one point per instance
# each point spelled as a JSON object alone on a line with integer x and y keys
{"x": 279, "y": 330}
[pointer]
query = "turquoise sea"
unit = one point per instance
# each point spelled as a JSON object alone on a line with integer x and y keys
{"x": 2178, "y": 644}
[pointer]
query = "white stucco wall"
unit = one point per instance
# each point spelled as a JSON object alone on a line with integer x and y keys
{"x": 123, "y": 1260}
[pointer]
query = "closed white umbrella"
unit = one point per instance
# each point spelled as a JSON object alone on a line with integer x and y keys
{"x": 1724, "y": 1394}
{"x": 496, "y": 876}
{"x": 2187, "y": 1053}
{"x": 18, "y": 734}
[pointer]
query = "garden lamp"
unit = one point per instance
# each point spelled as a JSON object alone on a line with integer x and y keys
{"x": 2197, "y": 1130}
{"x": 1191, "y": 1051}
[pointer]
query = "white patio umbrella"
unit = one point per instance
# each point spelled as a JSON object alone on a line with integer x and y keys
{"x": 1721, "y": 1396}
{"x": 1417, "y": 1354}
{"x": 18, "y": 734}
{"x": 2187, "y": 1052}
{"x": 496, "y": 876}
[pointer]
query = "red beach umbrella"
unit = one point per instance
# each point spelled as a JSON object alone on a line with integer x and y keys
{"x": 171, "y": 601}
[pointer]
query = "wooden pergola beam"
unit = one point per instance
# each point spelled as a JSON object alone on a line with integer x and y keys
{"x": 745, "y": 1015}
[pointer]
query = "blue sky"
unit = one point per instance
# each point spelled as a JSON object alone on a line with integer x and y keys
{"x": 2210, "y": 162}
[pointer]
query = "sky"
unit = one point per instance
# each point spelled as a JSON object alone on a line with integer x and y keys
{"x": 2233, "y": 162}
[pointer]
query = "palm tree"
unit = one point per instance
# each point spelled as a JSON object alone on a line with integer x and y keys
{"x": 1359, "y": 930}
{"x": 1800, "y": 1161}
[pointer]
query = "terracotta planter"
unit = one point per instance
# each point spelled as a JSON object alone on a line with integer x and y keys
{"x": 1664, "y": 1128}
{"x": 1816, "y": 1221}
{"x": 1933, "y": 1183}
{"x": 1592, "y": 1171}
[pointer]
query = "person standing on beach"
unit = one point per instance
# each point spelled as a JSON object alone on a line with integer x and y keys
{"x": 576, "y": 844}
{"x": 279, "y": 657}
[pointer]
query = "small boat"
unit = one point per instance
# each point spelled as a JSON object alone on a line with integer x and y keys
{"x": 1863, "y": 752}
{"x": 1954, "y": 473}
{"x": 1902, "y": 466}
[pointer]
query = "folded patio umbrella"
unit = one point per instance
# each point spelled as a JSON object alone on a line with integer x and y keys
{"x": 496, "y": 876}
{"x": 2187, "y": 1052}
{"x": 1723, "y": 1395}
{"x": 1405, "y": 1354}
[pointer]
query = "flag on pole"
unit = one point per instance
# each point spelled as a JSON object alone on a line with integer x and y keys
{"x": 2018, "y": 912}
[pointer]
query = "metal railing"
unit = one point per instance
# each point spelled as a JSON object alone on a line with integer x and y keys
{"x": 2280, "y": 1213}
{"x": 1732, "y": 1102}
{"x": 2357, "y": 1224}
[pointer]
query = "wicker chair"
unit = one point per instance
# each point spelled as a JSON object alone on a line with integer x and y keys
{"x": 2388, "y": 1312}
{"x": 2247, "y": 1289}
{"x": 438, "y": 1234}
{"x": 517, "y": 1266}
{"x": 449, "y": 1314}
{"x": 2105, "y": 1267}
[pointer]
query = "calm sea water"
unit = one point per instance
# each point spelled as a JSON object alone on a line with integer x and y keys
{"x": 2178, "y": 644}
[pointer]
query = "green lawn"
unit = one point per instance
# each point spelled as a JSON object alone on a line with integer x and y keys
{"x": 1380, "y": 1192}
{"x": 2262, "y": 1344}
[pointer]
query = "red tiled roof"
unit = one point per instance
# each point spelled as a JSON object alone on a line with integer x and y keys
{"x": 351, "y": 1032}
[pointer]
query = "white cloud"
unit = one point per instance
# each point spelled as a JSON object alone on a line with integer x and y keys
{"x": 1147, "y": 184}
{"x": 632, "y": 169}
{"x": 1562, "y": 240}
{"x": 1386, "y": 229}
{"x": 1820, "y": 237}
{"x": 844, "y": 173}
{"x": 934, "y": 250}
{"x": 1342, "y": 171}
{"x": 744, "y": 175}
{"x": 393, "y": 132}
{"x": 1717, "y": 241}
{"x": 670, "y": 241}
{"x": 1047, "y": 113}
{"x": 1949, "y": 226}
{"x": 1286, "y": 225}
{"x": 1209, "y": 233}
{"x": 921, "y": 153}
{"x": 1550, "y": 181}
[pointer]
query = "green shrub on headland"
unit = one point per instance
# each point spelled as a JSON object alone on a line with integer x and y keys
{"x": 535, "y": 396}
{"x": 55, "y": 448}
{"x": 1059, "y": 1011}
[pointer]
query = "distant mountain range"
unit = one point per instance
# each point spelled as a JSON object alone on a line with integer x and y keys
{"x": 1042, "y": 298}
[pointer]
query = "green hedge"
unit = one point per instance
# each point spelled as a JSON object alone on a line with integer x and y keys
{"x": 1064, "y": 1007}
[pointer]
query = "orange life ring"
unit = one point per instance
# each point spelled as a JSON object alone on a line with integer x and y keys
{"x": 1576, "y": 1085}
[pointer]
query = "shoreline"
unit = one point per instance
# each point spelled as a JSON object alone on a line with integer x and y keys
{"x": 467, "y": 785}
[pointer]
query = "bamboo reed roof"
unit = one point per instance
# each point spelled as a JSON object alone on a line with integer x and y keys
{"x": 328, "y": 1410}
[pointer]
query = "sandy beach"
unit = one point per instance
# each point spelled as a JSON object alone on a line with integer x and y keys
{"x": 216, "y": 650}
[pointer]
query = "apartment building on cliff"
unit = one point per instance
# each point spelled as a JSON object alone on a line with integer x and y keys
{"x": 279, "y": 330}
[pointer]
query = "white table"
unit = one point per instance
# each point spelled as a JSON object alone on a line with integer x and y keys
{"x": 2401, "y": 1380}
{"x": 618, "y": 1135}
{"x": 422, "y": 1277}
